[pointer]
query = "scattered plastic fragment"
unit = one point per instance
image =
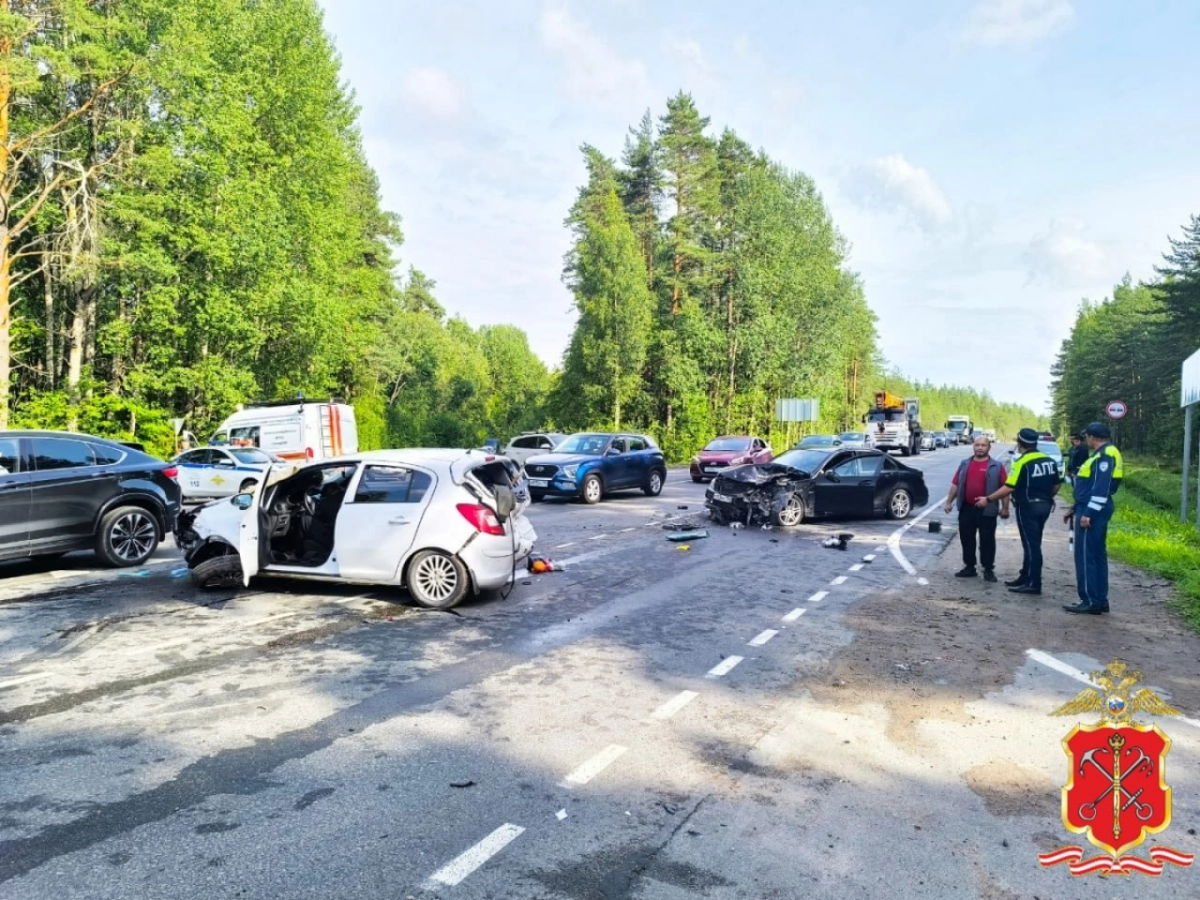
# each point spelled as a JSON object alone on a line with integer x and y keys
{"x": 682, "y": 506}
{"x": 462, "y": 784}
{"x": 695, "y": 534}
{"x": 683, "y": 548}
{"x": 935, "y": 526}
{"x": 539, "y": 565}
{"x": 560, "y": 815}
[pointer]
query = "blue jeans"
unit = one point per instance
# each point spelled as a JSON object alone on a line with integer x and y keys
{"x": 1031, "y": 523}
{"x": 1091, "y": 557}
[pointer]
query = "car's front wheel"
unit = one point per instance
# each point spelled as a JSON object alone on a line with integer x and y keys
{"x": 654, "y": 484}
{"x": 218, "y": 572}
{"x": 789, "y": 514}
{"x": 592, "y": 490}
{"x": 247, "y": 485}
{"x": 128, "y": 536}
{"x": 899, "y": 504}
{"x": 437, "y": 580}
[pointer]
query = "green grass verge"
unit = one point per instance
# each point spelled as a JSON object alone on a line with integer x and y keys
{"x": 1146, "y": 531}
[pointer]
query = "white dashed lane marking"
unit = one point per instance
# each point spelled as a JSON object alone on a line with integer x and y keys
{"x": 818, "y": 596}
{"x": 794, "y": 615}
{"x": 674, "y": 705}
{"x": 595, "y": 765}
{"x": 724, "y": 667}
{"x": 762, "y": 637}
{"x": 465, "y": 863}
{"x": 857, "y": 567}
{"x": 841, "y": 579}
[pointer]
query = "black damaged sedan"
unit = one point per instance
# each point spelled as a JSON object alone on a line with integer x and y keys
{"x": 806, "y": 484}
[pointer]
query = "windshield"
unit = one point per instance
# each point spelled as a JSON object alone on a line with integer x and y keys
{"x": 853, "y": 436}
{"x": 1049, "y": 448}
{"x": 249, "y": 455}
{"x": 957, "y": 426}
{"x": 592, "y": 444}
{"x": 894, "y": 415}
{"x": 803, "y": 460}
{"x": 817, "y": 440}
{"x": 728, "y": 445}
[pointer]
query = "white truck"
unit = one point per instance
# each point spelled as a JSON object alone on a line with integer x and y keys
{"x": 298, "y": 431}
{"x": 960, "y": 428}
{"x": 895, "y": 423}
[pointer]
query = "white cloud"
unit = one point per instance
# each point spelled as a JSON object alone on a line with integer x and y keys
{"x": 1065, "y": 256}
{"x": 997, "y": 22}
{"x": 893, "y": 183}
{"x": 435, "y": 93}
{"x": 595, "y": 70}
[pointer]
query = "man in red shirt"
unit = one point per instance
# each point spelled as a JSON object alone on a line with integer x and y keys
{"x": 978, "y": 476}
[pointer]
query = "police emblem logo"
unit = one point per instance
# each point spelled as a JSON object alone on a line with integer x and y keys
{"x": 1116, "y": 792}
{"x": 1103, "y": 467}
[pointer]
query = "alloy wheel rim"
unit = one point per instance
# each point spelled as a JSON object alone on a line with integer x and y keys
{"x": 900, "y": 504}
{"x": 436, "y": 577}
{"x": 655, "y": 483}
{"x": 791, "y": 513}
{"x": 593, "y": 489}
{"x": 133, "y": 536}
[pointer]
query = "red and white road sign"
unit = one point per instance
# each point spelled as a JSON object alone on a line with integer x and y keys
{"x": 1116, "y": 409}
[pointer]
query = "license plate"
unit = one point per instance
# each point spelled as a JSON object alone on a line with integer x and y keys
{"x": 710, "y": 469}
{"x": 539, "y": 482}
{"x": 722, "y": 498}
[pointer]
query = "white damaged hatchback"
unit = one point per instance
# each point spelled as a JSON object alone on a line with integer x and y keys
{"x": 442, "y": 523}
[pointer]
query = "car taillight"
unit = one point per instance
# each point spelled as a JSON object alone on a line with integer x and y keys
{"x": 482, "y": 518}
{"x": 308, "y": 452}
{"x": 171, "y": 472}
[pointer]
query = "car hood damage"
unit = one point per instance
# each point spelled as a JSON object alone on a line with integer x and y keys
{"x": 753, "y": 494}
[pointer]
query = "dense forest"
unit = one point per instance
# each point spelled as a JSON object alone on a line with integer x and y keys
{"x": 188, "y": 222}
{"x": 710, "y": 281}
{"x": 1131, "y": 347}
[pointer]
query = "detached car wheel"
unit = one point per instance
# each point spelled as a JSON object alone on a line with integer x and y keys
{"x": 128, "y": 536}
{"x": 899, "y": 504}
{"x": 592, "y": 489}
{"x": 654, "y": 484}
{"x": 790, "y": 514}
{"x": 218, "y": 572}
{"x": 437, "y": 580}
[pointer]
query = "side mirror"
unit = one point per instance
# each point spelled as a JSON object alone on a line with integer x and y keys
{"x": 612, "y": 451}
{"x": 832, "y": 476}
{"x": 242, "y": 501}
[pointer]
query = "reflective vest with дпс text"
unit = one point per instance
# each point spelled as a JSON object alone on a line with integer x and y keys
{"x": 1098, "y": 479}
{"x": 1034, "y": 478}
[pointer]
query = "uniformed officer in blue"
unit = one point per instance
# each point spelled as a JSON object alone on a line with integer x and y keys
{"x": 1032, "y": 482}
{"x": 1099, "y": 478}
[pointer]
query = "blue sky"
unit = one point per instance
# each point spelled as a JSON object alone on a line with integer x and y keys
{"x": 991, "y": 162}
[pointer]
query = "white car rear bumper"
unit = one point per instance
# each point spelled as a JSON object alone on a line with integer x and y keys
{"x": 491, "y": 559}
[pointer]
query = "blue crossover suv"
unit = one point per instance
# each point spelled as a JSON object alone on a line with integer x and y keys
{"x": 590, "y": 464}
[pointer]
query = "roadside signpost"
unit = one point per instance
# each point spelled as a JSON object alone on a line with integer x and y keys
{"x": 791, "y": 410}
{"x": 1116, "y": 409}
{"x": 1189, "y": 396}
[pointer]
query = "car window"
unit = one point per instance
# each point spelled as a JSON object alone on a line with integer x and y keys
{"x": 848, "y": 469}
{"x": 222, "y": 460}
{"x": 619, "y": 445}
{"x": 107, "y": 456}
{"x": 870, "y": 465}
{"x": 890, "y": 464}
{"x": 195, "y": 458}
{"x": 636, "y": 445}
{"x": 10, "y": 456}
{"x": 50, "y": 454}
{"x": 250, "y": 456}
{"x": 392, "y": 484}
{"x": 525, "y": 443}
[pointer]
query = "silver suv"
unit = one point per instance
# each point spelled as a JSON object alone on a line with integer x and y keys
{"x": 531, "y": 443}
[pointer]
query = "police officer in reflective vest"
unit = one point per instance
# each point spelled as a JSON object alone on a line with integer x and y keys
{"x": 1032, "y": 484}
{"x": 1098, "y": 479}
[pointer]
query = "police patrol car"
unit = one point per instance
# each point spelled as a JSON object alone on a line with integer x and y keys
{"x": 223, "y": 471}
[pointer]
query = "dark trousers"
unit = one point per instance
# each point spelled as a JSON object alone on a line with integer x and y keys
{"x": 972, "y": 521}
{"x": 1091, "y": 557}
{"x": 1031, "y": 522}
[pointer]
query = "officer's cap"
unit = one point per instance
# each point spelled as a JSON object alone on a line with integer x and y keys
{"x": 1028, "y": 437}
{"x": 1097, "y": 430}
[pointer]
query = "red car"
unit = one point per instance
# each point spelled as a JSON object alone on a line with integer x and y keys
{"x": 732, "y": 450}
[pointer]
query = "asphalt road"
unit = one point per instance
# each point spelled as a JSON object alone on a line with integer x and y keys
{"x": 626, "y": 727}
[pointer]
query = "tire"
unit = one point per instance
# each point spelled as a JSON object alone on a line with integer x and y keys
{"x": 790, "y": 514}
{"x": 899, "y": 504}
{"x": 437, "y": 580}
{"x": 218, "y": 572}
{"x": 654, "y": 484}
{"x": 916, "y": 448}
{"x": 592, "y": 490}
{"x": 128, "y": 536}
{"x": 247, "y": 484}
{"x": 697, "y": 480}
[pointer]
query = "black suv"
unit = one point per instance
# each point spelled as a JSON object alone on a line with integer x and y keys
{"x": 61, "y": 492}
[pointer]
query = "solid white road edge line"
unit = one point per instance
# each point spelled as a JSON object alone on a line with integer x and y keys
{"x": 674, "y": 705}
{"x": 724, "y": 667}
{"x": 463, "y": 865}
{"x": 794, "y": 614}
{"x": 594, "y": 766}
{"x": 762, "y": 637}
{"x": 841, "y": 579}
{"x": 818, "y": 596}
{"x": 893, "y": 543}
{"x": 1079, "y": 675}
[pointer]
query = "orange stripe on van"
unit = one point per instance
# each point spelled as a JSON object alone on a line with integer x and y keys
{"x": 335, "y": 424}
{"x": 301, "y": 455}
